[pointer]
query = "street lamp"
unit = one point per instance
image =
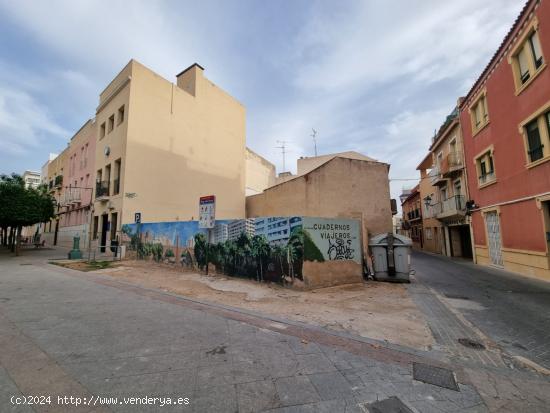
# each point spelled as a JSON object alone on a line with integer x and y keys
{"x": 428, "y": 201}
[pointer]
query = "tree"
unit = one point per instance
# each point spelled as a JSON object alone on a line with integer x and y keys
{"x": 21, "y": 207}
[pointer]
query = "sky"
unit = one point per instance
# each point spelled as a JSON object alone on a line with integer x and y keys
{"x": 373, "y": 76}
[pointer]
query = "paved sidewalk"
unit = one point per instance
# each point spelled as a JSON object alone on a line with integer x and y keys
{"x": 64, "y": 332}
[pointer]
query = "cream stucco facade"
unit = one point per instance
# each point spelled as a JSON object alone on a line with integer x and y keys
{"x": 160, "y": 146}
{"x": 260, "y": 173}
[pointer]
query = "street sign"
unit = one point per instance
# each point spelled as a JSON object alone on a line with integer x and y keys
{"x": 207, "y": 211}
{"x": 137, "y": 217}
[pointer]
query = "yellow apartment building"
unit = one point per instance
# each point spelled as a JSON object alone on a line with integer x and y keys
{"x": 162, "y": 145}
{"x": 450, "y": 188}
{"x": 433, "y": 238}
{"x": 444, "y": 193}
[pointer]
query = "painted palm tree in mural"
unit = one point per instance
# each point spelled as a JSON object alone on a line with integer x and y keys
{"x": 243, "y": 248}
{"x": 260, "y": 251}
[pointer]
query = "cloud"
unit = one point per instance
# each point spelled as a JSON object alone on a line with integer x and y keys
{"x": 377, "y": 77}
{"x": 24, "y": 123}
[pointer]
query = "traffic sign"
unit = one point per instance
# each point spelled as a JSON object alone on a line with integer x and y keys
{"x": 207, "y": 211}
{"x": 137, "y": 217}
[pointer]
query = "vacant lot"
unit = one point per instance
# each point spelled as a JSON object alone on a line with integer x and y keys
{"x": 376, "y": 310}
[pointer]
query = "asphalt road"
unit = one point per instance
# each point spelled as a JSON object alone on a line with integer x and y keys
{"x": 512, "y": 310}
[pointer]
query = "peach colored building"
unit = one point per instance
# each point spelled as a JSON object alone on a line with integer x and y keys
{"x": 78, "y": 186}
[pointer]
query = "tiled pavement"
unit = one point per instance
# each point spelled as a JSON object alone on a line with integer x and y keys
{"x": 77, "y": 334}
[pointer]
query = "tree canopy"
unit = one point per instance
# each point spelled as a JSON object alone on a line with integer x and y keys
{"x": 20, "y": 206}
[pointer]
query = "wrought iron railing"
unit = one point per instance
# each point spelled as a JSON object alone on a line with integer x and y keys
{"x": 102, "y": 189}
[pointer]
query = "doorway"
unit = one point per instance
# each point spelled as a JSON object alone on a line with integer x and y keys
{"x": 104, "y": 231}
{"x": 493, "y": 237}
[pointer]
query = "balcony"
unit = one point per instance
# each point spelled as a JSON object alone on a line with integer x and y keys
{"x": 436, "y": 178}
{"x": 414, "y": 214}
{"x": 432, "y": 210}
{"x": 72, "y": 196}
{"x": 102, "y": 191}
{"x": 453, "y": 207}
{"x": 452, "y": 164}
{"x": 58, "y": 182}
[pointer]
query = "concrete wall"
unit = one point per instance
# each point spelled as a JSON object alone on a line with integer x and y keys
{"x": 260, "y": 173}
{"x": 340, "y": 188}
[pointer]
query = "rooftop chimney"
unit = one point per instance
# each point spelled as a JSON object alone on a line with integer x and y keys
{"x": 189, "y": 78}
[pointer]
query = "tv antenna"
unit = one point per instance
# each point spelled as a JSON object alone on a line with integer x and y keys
{"x": 283, "y": 150}
{"x": 313, "y": 135}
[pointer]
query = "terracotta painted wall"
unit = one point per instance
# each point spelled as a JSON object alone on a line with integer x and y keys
{"x": 514, "y": 180}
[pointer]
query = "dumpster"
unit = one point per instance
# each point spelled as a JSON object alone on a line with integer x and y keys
{"x": 391, "y": 255}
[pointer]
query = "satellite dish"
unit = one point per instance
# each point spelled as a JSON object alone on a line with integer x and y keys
{"x": 107, "y": 151}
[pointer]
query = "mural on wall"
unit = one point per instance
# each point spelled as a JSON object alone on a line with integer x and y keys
{"x": 327, "y": 239}
{"x": 266, "y": 248}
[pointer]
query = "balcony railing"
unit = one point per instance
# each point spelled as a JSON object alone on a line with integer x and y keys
{"x": 102, "y": 189}
{"x": 72, "y": 196}
{"x": 116, "y": 186}
{"x": 454, "y": 204}
{"x": 488, "y": 177}
{"x": 434, "y": 174}
{"x": 454, "y": 159}
{"x": 414, "y": 214}
{"x": 432, "y": 210}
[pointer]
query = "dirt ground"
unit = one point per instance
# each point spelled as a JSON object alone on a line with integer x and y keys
{"x": 376, "y": 310}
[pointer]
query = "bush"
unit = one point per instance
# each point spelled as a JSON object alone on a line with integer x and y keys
{"x": 169, "y": 253}
{"x": 156, "y": 250}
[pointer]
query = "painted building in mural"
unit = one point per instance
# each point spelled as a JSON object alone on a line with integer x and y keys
{"x": 505, "y": 121}
{"x": 220, "y": 233}
{"x": 277, "y": 230}
{"x": 237, "y": 227}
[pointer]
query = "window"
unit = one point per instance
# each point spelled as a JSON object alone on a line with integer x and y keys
{"x": 478, "y": 113}
{"x": 111, "y": 123}
{"x": 534, "y": 144}
{"x": 86, "y": 156}
{"x": 526, "y": 58}
{"x": 102, "y": 130}
{"x": 485, "y": 168}
{"x": 120, "y": 115}
{"x": 536, "y": 134}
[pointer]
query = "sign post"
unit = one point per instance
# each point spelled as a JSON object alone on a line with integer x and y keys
{"x": 207, "y": 219}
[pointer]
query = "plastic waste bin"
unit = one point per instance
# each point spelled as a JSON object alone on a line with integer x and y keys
{"x": 391, "y": 257}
